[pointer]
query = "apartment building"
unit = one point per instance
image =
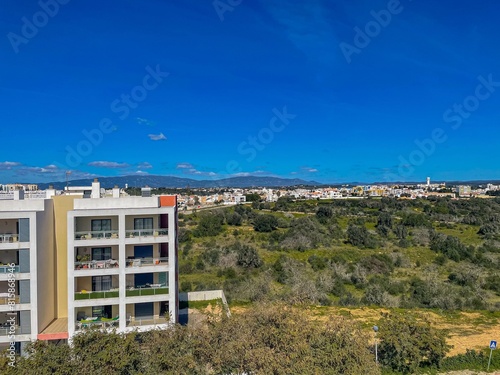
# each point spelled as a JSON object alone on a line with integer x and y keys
{"x": 83, "y": 261}
{"x": 26, "y": 252}
{"x": 122, "y": 269}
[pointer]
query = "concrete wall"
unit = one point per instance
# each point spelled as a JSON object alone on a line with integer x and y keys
{"x": 207, "y": 295}
{"x": 62, "y": 204}
{"x": 113, "y": 203}
{"x": 45, "y": 284}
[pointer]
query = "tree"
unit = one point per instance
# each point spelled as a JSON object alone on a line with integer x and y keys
{"x": 234, "y": 219}
{"x": 384, "y": 220}
{"x": 324, "y": 214}
{"x": 359, "y": 236}
{"x": 209, "y": 225}
{"x": 247, "y": 256}
{"x": 408, "y": 342}
{"x": 252, "y": 197}
{"x": 265, "y": 223}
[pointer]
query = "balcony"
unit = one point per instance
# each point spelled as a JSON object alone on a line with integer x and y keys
{"x": 6, "y": 297}
{"x": 133, "y": 233}
{"x": 84, "y": 295}
{"x": 151, "y": 290}
{"x": 96, "y": 235}
{"x": 9, "y": 238}
{"x": 6, "y": 329}
{"x": 9, "y": 268}
{"x": 146, "y": 262}
{"x": 96, "y": 264}
{"x": 146, "y": 321}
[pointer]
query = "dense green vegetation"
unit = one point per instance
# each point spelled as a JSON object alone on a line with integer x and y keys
{"x": 427, "y": 253}
{"x": 266, "y": 340}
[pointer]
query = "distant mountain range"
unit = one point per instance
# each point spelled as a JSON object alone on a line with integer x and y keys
{"x": 178, "y": 182}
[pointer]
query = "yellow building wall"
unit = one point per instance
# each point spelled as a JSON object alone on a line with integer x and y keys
{"x": 62, "y": 204}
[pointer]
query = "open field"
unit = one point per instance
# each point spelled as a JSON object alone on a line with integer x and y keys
{"x": 467, "y": 330}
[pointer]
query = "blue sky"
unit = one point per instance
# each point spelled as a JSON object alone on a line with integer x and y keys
{"x": 331, "y": 91}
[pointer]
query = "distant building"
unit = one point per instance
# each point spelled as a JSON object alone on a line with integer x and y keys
{"x": 463, "y": 190}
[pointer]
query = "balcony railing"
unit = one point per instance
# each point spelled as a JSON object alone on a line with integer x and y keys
{"x": 96, "y": 264}
{"x": 97, "y": 323}
{"x": 5, "y": 298}
{"x": 146, "y": 262}
{"x": 146, "y": 321}
{"x": 112, "y": 293}
{"x": 9, "y": 238}
{"x": 146, "y": 233}
{"x": 153, "y": 290}
{"x": 8, "y": 269}
{"x": 6, "y": 330}
{"x": 95, "y": 235}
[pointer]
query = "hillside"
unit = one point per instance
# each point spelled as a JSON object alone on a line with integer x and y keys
{"x": 441, "y": 256}
{"x": 156, "y": 181}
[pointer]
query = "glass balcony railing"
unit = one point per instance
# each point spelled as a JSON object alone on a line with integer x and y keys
{"x": 96, "y": 264}
{"x": 9, "y": 238}
{"x": 153, "y": 290}
{"x": 146, "y": 262}
{"x": 5, "y": 268}
{"x": 6, "y": 330}
{"x": 146, "y": 321}
{"x": 146, "y": 233}
{"x": 112, "y": 293}
{"x": 95, "y": 235}
{"x": 5, "y": 298}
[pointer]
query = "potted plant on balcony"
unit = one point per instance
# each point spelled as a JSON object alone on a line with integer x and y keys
{"x": 83, "y": 258}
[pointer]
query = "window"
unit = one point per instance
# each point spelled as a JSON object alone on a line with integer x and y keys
{"x": 101, "y": 283}
{"x": 100, "y": 225}
{"x": 101, "y": 253}
{"x": 102, "y": 311}
{"x": 144, "y": 225}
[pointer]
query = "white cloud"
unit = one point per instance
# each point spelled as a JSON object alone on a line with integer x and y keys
{"x": 8, "y": 164}
{"x": 184, "y": 166}
{"x": 308, "y": 169}
{"x": 141, "y": 172}
{"x": 157, "y": 137}
{"x": 144, "y": 165}
{"x": 188, "y": 168}
{"x": 254, "y": 173}
{"x": 108, "y": 164}
{"x": 144, "y": 121}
